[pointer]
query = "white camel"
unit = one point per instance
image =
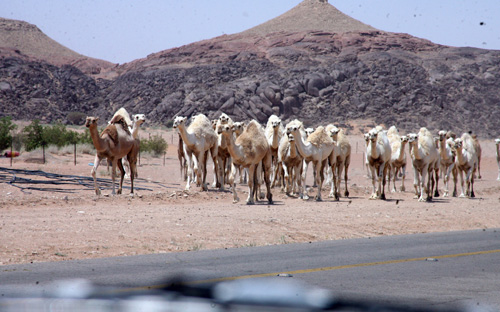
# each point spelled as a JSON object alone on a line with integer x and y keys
{"x": 424, "y": 158}
{"x": 249, "y": 150}
{"x": 199, "y": 139}
{"x": 466, "y": 162}
{"x": 292, "y": 162}
{"x": 378, "y": 153}
{"x": 343, "y": 158}
{"x": 398, "y": 157}
{"x": 497, "y": 144}
{"x": 447, "y": 160}
{"x": 319, "y": 148}
{"x": 274, "y": 131}
{"x": 223, "y": 157}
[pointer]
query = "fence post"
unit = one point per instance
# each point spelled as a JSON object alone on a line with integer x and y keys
{"x": 74, "y": 152}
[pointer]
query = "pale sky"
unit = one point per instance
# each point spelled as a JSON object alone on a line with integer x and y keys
{"x": 120, "y": 31}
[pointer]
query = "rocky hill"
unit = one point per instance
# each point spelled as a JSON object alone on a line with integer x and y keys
{"x": 28, "y": 41}
{"x": 343, "y": 72}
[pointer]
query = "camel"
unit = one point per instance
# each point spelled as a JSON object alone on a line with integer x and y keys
{"x": 114, "y": 143}
{"x": 239, "y": 126}
{"x": 447, "y": 160}
{"x": 319, "y": 148}
{"x": 137, "y": 121}
{"x": 199, "y": 139}
{"x": 249, "y": 150}
{"x": 497, "y": 144}
{"x": 466, "y": 162}
{"x": 424, "y": 161}
{"x": 479, "y": 151}
{"x": 223, "y": 157}
{"x": 398, "y": 157}
{"x": 343, "y": 158}
{"x": 292, "y": 162}
{"x": 274, "y": 131}
{"x": 378, "y": 153}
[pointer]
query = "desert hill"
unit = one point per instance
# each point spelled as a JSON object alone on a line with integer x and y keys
{"x": 337, "y": 71}
{"x": 29, "y": 42}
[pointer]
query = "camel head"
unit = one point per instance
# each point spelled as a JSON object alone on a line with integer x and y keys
{"x": 91, "y": 121}
{"x": 224, "y": 119}
{"x": 333, "y": 132}
{"x": 497, "y": 142}
{"x": 404, "y": 139}
{"x": 458, "y": 144}
{"x": 238, "y": 126}
{"x": 412, "y": 137}
{"x": 225, "y": 129}
{"x": 139, "y": 119}
{"x": 214, "y": 124}
{"x": 292, "y": 129}
{"x": 309, "y": 131}
{"x": 276, "y": 123}
{"x": 442, "y": 135}
{"x": 179, "y": 120}
{"x": 373, "y": 135}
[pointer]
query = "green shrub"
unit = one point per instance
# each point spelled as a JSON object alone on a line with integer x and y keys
{"x": 6, "y": 126}
{"x": 33, "y": 136}
{"x": 155, "y": 144}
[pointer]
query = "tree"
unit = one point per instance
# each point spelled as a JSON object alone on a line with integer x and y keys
{"x": 6, "y": 126}
{"x": 34, "y": 136}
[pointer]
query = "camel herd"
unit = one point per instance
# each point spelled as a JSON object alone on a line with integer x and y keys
{"x": 278, "y": 155}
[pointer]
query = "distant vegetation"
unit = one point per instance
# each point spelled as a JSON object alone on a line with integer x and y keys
{"x": 36, "y": 135}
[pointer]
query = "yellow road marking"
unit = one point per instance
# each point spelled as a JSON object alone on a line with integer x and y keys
{"x": 332, "y": 268}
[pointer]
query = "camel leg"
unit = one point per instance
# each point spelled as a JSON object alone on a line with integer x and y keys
{"x": 423, "y": 184}
{"x": 319, "y": 169}
{"x": 454, "y": 172}
{"x": 460, "y": 173}
{"x": 472, "y": 195}
{"x": 122, "y": 175}
{"x": 346, "y": 169}
{"x": 470, "y": 181}
{"x": 392, "y": 176}
{"x": 133, "y": 168}
{"x": 266, "y": 166}
{"x": 251, "y": 184}
{"x": 305, "y": 195}
{"x": 403, "y": 172}
{"x": 93, "y": 172}
{"x": 374, "y": 177}
{"x": 384, "y": 179}
{"x": 233, "y": 183}
{"x": 113, "y": 174}
{"x": 416, "y": 182}
{"x": 436, "y": 189}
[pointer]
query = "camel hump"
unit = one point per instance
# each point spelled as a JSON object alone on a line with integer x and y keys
{"x": 112, "y": 132}
{"x": 123, "y": 112}
{"x": 120, "y": 120}
{"x": 319, "y": 137}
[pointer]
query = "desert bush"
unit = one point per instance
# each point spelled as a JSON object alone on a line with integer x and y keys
{"x": 155, "y": 144}
{"x": 6, "y": 126}
{"x": 33, "y": 136}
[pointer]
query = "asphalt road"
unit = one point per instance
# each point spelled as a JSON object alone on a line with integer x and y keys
{"x": 437, "y": 270}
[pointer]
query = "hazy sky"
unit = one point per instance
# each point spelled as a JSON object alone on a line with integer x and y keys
{"x": 121, "y": 31}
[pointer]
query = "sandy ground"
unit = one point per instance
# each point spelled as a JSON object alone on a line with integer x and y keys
{"x": 49, "y": 212}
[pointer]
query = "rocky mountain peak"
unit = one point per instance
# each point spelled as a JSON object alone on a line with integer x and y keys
{"x": 310, "y": 15}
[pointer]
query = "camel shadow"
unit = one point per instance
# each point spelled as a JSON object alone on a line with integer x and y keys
{"x": 39, "y": 180}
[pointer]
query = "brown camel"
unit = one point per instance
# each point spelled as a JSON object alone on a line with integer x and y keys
{"x": 114, "y": 143}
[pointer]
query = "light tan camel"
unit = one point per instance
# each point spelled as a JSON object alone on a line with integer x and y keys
{"x": 223, "y": 157}
{"x": 424, "y": 158}
{"x": 378, "y": 153}
{"x": 497, "y": 145}
{"x": 319, "y": 148}
{"x": 398, "y": 157}
{"x": 292, "y": 162}
{"x": 479, "y": 153}
{"x": 199, "y": 139}
{"x": 343, "y": 158}
{"x": 274, "y": 131}
{"x": 238, "y": 128}
{"x": 447, "y": 160}
{"x": 466, "y": 162}
{"x": 114, "y": 143}
{"x": 249, "y": 150}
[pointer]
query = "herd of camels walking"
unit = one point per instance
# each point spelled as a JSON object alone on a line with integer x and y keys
{"x": 279, "y": 155}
